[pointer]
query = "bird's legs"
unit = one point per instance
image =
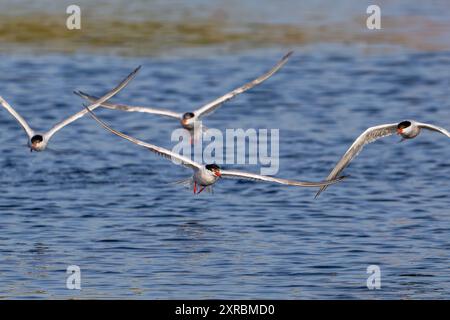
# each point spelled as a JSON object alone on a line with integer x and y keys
{"x": 203, "y": 188}
{"x": 195, "y": 188}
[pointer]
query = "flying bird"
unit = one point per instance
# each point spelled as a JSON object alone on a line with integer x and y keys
{"x": 408, "y": 129}
{"x": 206, "y": 175}
{"x": 191, "y": 120}
{"x": 39, "y": 141}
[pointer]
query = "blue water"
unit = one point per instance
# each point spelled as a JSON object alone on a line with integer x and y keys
{"x": 99, "y": 202}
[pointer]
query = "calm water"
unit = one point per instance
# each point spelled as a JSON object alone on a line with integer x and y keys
{"x": 99, "y": 202}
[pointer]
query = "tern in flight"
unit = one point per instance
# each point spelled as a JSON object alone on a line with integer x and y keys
{"x": 408, "y": 129}
{"x": 191, "y": 120}
{"x": 39, "y": 141}
{"x": 206, "y": 175}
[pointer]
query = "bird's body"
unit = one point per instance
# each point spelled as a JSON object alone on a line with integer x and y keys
{"x": 191, "y": 120}
{"x": 39, "y": 141}
{"x": 408, "y": 129}
{"x": 207, "y": 175}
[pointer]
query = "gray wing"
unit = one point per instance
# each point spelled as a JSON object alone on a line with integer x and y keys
{"x": 18, "y": 117}
{"x": 368, "y": 136}
{"x": 257, "y": 177}
{"x": 176, "y": 158}
{"x": 434, "y": 128}
{"x": 210, "y": 107}
{"x": 94, "y": 105}
{"x": 124, "y": 107}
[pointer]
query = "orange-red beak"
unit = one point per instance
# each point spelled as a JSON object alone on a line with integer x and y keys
{"x": 399, "y": 130}
{"x": 217, "y": 173}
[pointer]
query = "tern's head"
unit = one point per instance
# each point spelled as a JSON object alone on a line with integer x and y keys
{"x": 214, "y": 168}
{"x": 404, "y": 127}
{"x": 36, "y": 142}
{"x": 188, "y": 115}
{"x": 187, "y": 120}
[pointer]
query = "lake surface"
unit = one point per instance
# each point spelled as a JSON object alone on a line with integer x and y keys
{"x": 108, "y": 206}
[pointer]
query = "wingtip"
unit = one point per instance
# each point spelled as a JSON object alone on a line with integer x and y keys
{"x": 79, "y": 93}
{"x": 322, "y": 189}
{"x": 290, "y": 53}
{"x": 91, "y": 112}
{"x": 86, "y": 106}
